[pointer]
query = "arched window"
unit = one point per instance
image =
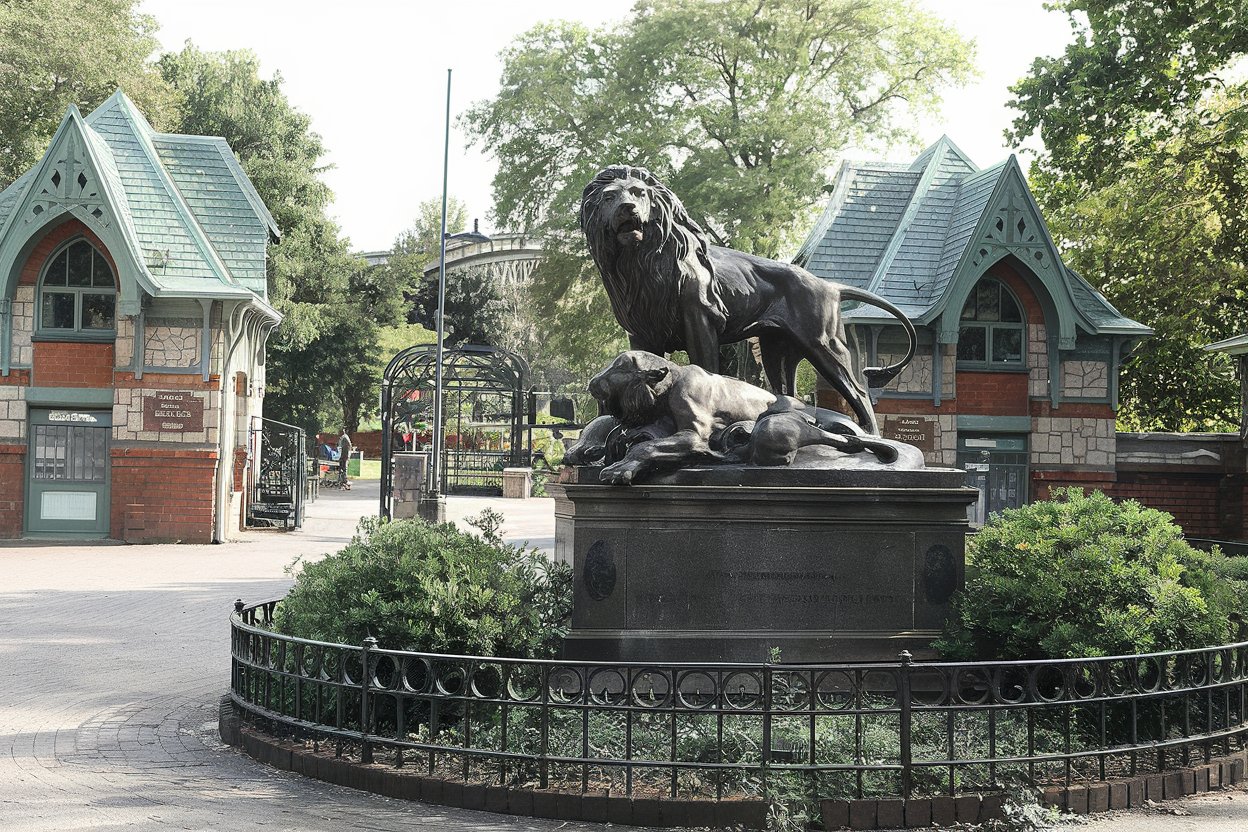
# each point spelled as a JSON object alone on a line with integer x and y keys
{"x": 77, "y": 292}
{"x": 991, "y": 333}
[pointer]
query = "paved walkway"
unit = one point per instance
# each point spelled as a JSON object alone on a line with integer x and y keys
{"x": 113, "y": 658}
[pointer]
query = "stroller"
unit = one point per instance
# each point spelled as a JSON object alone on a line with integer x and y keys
{"x": 335, "y": 476}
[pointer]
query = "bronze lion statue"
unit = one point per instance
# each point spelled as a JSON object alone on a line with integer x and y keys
{"x": 669, "y": 416}
{"x": 671, "y": 290}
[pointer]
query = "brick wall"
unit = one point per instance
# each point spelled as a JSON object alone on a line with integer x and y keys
{"x": 162, "y": 494}
{"x": 1195, "y": 500}
{"x": 67, "y": 364}
{"x": 992, "y": 394}
{"x": 12, "y": 489}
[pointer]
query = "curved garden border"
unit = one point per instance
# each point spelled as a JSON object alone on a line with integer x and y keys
{"x": 870, "y": 744}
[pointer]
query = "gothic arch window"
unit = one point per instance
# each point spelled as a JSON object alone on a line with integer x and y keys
{"x": 77, "y": 292}
{"x": 992, "y": 332}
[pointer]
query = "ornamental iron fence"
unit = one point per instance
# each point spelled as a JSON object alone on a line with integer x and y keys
{"x": 779, "y": 731}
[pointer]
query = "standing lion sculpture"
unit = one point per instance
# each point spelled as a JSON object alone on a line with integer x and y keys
{"x": 671, "y": 290}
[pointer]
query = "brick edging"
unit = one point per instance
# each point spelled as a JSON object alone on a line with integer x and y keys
{"x": 1131, "y": 792}
{"x": 883, "y": 813}
{"x": 409, "y": 784}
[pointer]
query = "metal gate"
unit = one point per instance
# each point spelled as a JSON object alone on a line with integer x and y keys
{"x": 279, "y": 487}
{"x": 486, "y": 414}
{"x": 997, "y": 466}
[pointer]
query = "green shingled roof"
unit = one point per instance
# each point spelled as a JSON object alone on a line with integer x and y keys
{"x": 178, "y": 213}
{"x": 922, "y": 234}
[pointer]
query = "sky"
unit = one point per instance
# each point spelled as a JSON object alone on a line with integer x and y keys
{"x": 372, "y": 75}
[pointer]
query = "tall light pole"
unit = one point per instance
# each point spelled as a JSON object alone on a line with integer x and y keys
{"x": 433, "y": 506}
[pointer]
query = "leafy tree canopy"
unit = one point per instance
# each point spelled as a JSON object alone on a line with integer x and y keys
{"x": 323, "y": 360}
{"x": 54, "y": 53}
{"x": 1144, "y": 180}
{"x": 739, "y": 106}
{"x": 224, "y": 94}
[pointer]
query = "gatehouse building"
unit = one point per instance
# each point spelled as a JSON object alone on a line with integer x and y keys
{"x": 133, "y": 318}
{"x": 1016, "y": 374}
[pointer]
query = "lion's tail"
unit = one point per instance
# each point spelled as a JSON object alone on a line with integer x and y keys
{"x": 879, "y": 376}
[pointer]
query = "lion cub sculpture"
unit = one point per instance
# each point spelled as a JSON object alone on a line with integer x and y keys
{"x": 671, "y": 290}
{"x": 663, "y": 416}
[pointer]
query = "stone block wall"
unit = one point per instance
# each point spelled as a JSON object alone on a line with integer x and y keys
{"x": 916, "y": 377}
{"x": 21, "y": 354}
{"x": 13, "y": 410}
{"x": 123, "y": 347}
{"x": 128, "y": 399}
{"x": 1037, "y": 360}
{"x": 1085, "y": 380}
{"x": 1072, "y": 441}
{"x": 171, "y": 342}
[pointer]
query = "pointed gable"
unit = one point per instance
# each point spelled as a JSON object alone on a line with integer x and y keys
{"x": 76, "y": 177}
{"x": 177, "y": 212}
{"x": 957, "y": 221}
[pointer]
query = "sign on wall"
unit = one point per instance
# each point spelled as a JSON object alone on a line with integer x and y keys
{"x": 919, "y": 431}
{"x": 173, "y": 411}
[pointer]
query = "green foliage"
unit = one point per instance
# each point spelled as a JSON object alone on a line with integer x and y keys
{"x": 415, "y": 586}
{"x": 323, "y": 359}
{"x": 739, "y": 106}
{"x": 1081, "y": 575}
{"x": 223, "y": 94}
{"x": 54, "y": 53}
{"x": 1144, "y": 180}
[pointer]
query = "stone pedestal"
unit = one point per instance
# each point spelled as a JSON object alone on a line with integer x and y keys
{"x": 410, "y": 470}
{"x": 823, "y": 565}
{"x": 432, "y": 509}
{"x": 517, "y": 483}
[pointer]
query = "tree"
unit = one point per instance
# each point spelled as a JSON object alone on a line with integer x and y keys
{"x": 322, "y": 360}
{"x": 223, "y": 94}
{"x": 1144, "y": 180}
{"x": 54, "y": 53}
{"x": 473, "y": 307}
{"x": 739, "y": 106}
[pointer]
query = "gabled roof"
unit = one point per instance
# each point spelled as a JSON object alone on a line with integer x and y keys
{"x": 922, "y": 234}
{"x": 1232, "y": 346}
{"x": 177, "y": 212}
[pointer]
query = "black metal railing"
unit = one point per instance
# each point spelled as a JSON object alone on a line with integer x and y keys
{"x": 468, "y": 471}
{"x": 789, "y": 732}
{"x": 279, "y": 490}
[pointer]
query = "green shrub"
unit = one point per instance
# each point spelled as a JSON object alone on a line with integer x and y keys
{"x": 1081, "y": 575}
{"x": 415, "y": 586}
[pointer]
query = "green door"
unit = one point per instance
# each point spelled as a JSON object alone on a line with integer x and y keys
{"x": 68, "y": 475}
{"x": 997, "y": 466}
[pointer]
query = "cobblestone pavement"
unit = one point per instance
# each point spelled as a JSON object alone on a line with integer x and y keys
{"x": 113, "y": 658}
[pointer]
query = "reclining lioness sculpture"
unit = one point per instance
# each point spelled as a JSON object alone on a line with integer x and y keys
{"x": 665, "y": 416}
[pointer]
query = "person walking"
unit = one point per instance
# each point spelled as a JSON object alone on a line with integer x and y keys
{"x": 344, "y": 454}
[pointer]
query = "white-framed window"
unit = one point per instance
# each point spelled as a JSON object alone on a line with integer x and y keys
{"x": 77, "y": 292}
{"x": 991, "y": 332}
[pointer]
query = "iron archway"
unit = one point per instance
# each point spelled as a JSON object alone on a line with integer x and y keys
{"x": 486, "y": 387}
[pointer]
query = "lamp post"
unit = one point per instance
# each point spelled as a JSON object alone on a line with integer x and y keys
{"x": 433, "y": 506}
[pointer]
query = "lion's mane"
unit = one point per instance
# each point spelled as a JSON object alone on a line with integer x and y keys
{"x": 644, "y": 282}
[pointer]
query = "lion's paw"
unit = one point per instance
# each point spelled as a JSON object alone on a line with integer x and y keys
{"x": 621, "y": 473}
